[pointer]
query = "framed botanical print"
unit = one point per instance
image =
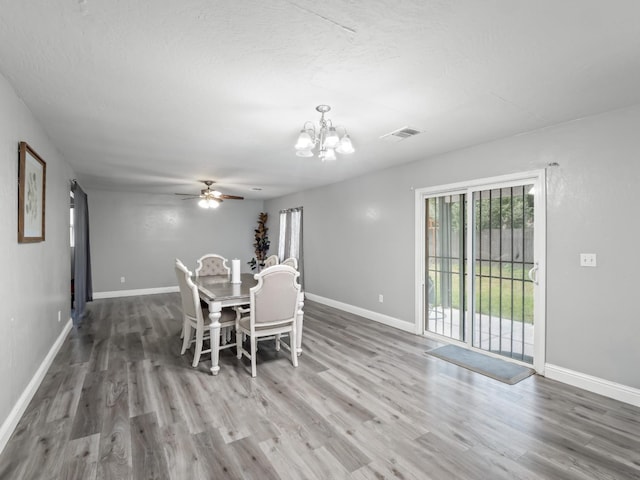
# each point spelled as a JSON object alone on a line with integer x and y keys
{"x": 32, "y": 182}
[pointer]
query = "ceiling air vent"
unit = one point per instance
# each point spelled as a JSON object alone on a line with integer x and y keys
{"x": 400, "y": 134}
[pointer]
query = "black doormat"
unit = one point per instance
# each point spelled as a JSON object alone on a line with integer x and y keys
{"x": 501, "y": 370}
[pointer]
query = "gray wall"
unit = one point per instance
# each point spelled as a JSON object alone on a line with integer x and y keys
{"x": 364, "y": 229}
{"x": 36, "y": 280}
{"x": 138, "y": 236}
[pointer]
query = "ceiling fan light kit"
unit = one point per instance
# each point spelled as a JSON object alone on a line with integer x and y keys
{"x": 325, "y": 137}
{"x": 210, "y": 198}
{"x": 208, "y": 203}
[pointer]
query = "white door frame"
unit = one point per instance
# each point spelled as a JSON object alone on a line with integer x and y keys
{"x": 538, "y": 179}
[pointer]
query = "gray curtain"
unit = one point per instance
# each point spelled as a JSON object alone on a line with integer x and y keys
{"x": 83, "y": 288}
{"x": 290, "y": 241}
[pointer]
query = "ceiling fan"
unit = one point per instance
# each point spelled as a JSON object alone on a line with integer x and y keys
{"x": 210, "y": 198}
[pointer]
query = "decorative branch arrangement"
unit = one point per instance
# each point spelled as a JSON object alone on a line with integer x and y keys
{"x": 261, "y": 243}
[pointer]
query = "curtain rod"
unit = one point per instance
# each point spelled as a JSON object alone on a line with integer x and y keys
{"x": 287, "y": 210}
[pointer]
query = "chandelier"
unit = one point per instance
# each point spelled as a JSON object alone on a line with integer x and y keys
{"x": 326, "y": 138}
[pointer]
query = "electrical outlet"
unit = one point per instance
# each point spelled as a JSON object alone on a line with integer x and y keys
{"x": 588, "y": 260}
{"x": 380, "y": 298}
{"x": 121, "y": 279}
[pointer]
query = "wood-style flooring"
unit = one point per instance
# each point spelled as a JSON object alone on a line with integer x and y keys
{"x": 366, "y": 402}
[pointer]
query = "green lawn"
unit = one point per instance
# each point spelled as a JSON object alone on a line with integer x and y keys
{"x": 494, "y": 302}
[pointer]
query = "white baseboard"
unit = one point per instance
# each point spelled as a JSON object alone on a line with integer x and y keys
{"x": 133, "y": 293}
{"x": 617, "y": 391}
{"x": 375, "y": 316}
{"x": 10, "y": 424}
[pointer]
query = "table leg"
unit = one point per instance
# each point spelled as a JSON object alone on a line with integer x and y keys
{"x": 214, "y": 329}
{"x": 299, "y": 321}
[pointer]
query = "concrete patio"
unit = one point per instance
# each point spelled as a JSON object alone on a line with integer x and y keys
{"x": 489, "y": 333}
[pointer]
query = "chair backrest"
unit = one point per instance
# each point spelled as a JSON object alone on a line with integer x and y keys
{"x": 271, "y": 260}
{"x": 188, "y": 292}
{"x": 291, "y": 261}
{"x": 276, "y": 297}
{"x": 212, "y": 264}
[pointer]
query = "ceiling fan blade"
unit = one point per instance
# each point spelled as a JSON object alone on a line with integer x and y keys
{"x": 209, "y": 194}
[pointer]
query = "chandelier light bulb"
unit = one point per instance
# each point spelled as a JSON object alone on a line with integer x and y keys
{"x": 330, "y": 154}
{"x": 204, "y": 203}
{"x": 304, "y": 141}
{"x": 331, "y": 139}
{"x": 345, "y": 147}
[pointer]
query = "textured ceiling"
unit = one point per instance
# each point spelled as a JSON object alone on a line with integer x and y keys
{"x": 152, "y": 95}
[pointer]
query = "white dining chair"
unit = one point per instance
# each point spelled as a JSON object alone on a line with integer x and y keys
{"x": 193, "y": 315}
{"x": 273, "y": 309}
{"x": 212, "y": 264}
{"x": 271, "y": 260}
{"x": 179, "y": 262}
{"x": 291, "y": 261}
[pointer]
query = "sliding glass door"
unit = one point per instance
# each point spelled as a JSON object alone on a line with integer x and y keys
{"x": 444, "y": 265}
{"x": 481, "y": 250}
{"x": 503, "y": 256}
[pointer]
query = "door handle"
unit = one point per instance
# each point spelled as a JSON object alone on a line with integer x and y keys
{"x": 533, "y": 274}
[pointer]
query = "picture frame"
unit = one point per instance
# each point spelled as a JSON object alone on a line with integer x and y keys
{"x": 32, "y": 183}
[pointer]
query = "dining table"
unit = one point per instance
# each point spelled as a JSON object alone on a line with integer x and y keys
{"x": 218, "y": 291}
